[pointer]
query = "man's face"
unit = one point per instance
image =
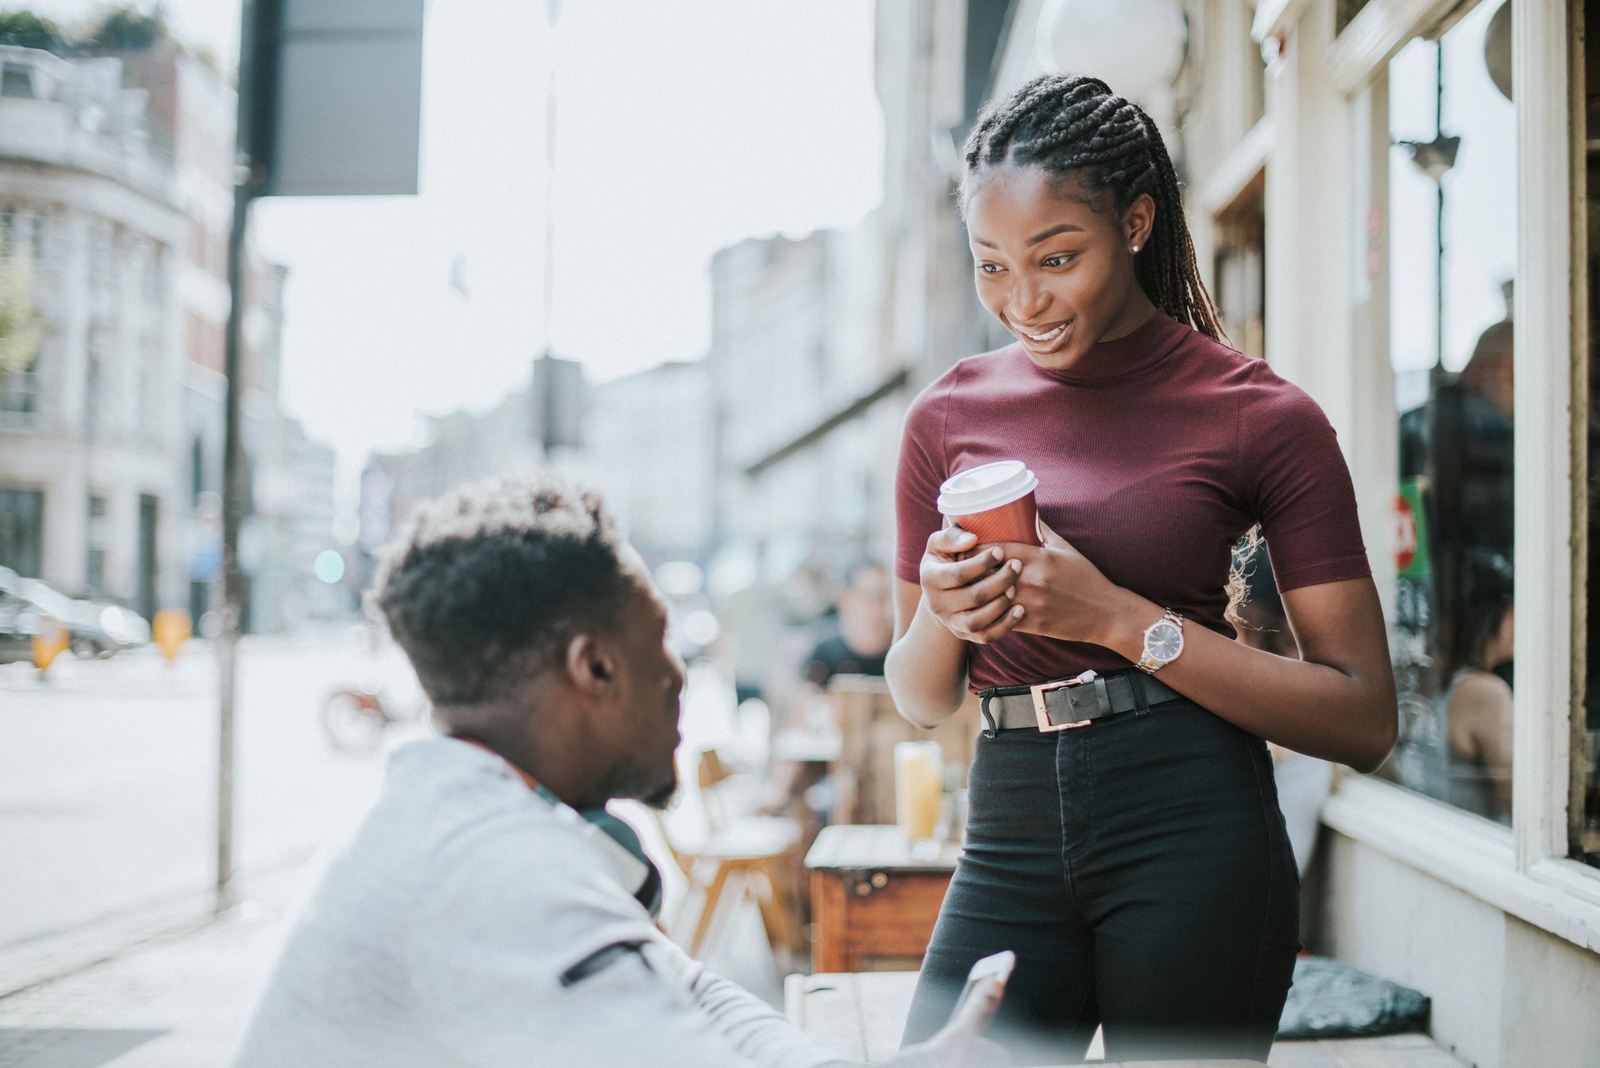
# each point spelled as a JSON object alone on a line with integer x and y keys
{"x": 647, "y": 717}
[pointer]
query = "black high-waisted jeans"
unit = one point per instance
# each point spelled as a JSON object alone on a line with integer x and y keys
{"x": 1140, "y": 870}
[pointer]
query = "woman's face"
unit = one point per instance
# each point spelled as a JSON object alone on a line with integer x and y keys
{"x": 1056, "y": 272}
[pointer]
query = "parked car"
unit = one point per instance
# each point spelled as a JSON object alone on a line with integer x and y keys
{"x": 97, "y": 628}
{"x": 19, "y": 621}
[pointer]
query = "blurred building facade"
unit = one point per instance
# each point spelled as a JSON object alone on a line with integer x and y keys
{"x": 116, "y": 175}
{"x": 649, "y": 447}
{"x": 90, "y": 431}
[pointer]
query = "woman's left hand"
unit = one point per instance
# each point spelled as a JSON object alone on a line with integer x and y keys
{"x": 1065, "y": 596}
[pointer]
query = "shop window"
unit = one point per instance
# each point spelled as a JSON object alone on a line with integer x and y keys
{"x": 96, "y": 566}
{"x": 1241, "y": 251}
{"x": 22, "y": 530}
{"x": 1452, "y": 220}
{"x": 145, "y": 600}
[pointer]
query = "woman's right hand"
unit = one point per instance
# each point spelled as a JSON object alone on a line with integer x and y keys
{"x": 972, "y": 597}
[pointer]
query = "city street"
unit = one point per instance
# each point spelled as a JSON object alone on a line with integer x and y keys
{"x": 109, "y": 947}
{"x": 108, "y": 795}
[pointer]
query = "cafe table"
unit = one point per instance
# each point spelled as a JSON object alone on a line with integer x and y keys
{"x": 873, "y": 897}
{"x": 860, "y": 1015}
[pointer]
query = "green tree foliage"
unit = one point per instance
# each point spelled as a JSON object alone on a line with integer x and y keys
{"x": 21, "y": 326}
{"x": 24, "y": 29}
{"x": 131, "y": 30}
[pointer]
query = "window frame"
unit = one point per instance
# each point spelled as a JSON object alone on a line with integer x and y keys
{"x": 1524, "y": 871}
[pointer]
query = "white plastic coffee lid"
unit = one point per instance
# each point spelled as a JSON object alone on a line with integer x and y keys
{"x": 978, "y": 489}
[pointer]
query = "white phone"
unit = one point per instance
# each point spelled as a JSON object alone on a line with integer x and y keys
{"x": 995, "y": 966}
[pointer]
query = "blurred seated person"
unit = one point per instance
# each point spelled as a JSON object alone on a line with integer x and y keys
{"x": 489, "y": 912}
{"x": 1478, "y": 709}
{"x": 866, "y": 629}
{"x": 1303, "y": 781}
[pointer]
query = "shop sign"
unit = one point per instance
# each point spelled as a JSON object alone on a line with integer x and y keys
{"x": 1409, "y": 534}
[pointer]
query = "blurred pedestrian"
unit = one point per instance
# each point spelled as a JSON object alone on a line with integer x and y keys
{"x": 1139, "y": 864}
{"x": 866, "y": 628}
{"x": 490, "y": 911}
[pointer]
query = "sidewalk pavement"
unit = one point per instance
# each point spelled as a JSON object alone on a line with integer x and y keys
{"x": 182, "y": 994}
{"x": 179, "y": 1000}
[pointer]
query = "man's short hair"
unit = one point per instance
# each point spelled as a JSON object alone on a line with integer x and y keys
{"x": 489, "y": 582}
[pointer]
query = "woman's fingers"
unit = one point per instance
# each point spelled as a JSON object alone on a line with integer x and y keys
{"x": 1002, "y": 582}
{"x": 942, "y": 575}
{"x": 952, "y": 541}
{"x": 989, "y": 623}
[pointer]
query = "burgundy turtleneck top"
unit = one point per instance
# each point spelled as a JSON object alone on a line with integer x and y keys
{"x": 1154, "y": 453}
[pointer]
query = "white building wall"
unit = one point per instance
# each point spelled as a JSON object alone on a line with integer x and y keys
{"x": 85, "y": 181}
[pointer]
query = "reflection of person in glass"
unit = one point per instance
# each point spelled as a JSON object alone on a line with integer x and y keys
{"x": 1460, "y": 447}
{"x": 1478, "y": 709}
{"x": 1123, "y": 830}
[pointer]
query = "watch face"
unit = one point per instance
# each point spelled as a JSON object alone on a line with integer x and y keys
{"x": 1164, "y": 641}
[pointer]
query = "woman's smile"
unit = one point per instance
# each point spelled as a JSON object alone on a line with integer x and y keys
{"x": 1045, "y": 339}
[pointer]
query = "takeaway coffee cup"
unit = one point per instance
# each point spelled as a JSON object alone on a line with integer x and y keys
{"x": 994, "y": 501}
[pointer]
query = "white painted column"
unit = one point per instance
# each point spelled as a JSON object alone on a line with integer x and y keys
{"x": 1544, "y": 429}
{"x": 1307, "y": 225}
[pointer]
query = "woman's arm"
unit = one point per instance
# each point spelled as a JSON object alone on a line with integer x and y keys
{"x": 1338, "y": 702}
{"x": 927, "y": 664}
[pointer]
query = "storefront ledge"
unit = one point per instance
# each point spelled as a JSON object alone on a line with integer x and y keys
{"x": 1470, "y": 854}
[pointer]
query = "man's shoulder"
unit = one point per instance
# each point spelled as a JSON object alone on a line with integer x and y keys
{"x": 453, "y": 801}
{"x": 457, "y": 841}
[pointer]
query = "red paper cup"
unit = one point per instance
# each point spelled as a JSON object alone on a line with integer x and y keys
{"x": 994, "y": 501}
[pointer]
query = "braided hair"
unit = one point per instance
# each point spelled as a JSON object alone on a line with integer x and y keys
{"x": 1076, "y": 128}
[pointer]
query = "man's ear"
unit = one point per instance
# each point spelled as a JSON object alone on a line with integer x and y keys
{"x": 593, "y": 664}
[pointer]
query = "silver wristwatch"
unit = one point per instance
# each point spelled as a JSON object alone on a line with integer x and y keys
{"x": 1163, "y": 641}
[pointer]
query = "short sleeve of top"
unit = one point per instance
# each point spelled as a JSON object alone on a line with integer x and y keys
{"x": 1300, "y": 489}
{"x": 1154, "y": 454}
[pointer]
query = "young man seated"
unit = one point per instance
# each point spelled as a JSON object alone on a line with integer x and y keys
{"x": 488, "y": 912}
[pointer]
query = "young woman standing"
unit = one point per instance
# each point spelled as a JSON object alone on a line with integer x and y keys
{"x": 1136, "y": 863}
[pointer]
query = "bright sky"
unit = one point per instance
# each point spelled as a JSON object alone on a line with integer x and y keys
{"x": 682, "y": 128}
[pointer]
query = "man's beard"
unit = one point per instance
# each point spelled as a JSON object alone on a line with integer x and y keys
{"x": 655, "y": 787}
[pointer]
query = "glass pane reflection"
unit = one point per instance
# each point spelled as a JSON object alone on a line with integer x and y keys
{"x": 1453, "y": 251}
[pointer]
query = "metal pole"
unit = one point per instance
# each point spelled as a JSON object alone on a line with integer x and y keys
{"x": 233, "y": 495}
{"x": 245, "y": 186}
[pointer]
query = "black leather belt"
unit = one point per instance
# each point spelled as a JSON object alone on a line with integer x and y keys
{"x": 1061, "y": 704}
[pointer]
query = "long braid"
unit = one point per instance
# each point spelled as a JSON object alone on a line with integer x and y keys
{"x": 1075, "y": 126}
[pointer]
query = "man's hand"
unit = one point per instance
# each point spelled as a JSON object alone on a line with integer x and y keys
{"x": 960, "y": 1043}
{"x": 972, "y": 596}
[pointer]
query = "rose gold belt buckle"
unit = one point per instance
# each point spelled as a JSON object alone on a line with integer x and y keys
{"x": 1043, "y": 716}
